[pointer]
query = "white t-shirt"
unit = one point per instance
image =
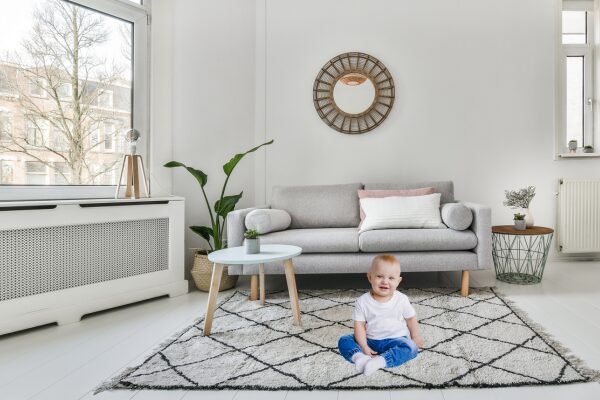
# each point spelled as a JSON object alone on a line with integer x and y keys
{"x": 384, "y": 320}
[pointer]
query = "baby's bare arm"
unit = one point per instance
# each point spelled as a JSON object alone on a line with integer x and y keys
{"x": 360, "y": 334}
{"x": 413, "y": 328}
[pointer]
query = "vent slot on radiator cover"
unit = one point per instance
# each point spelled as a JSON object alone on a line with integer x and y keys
{"x": 41, "y": 260}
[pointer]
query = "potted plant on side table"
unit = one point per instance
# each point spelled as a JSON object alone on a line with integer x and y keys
{"x": 213, "y": 234}
{"x": 519, "y": 220}
{"x": 521, "y": 198}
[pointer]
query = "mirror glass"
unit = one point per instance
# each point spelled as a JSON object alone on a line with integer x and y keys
{"x": 354, "y": 93}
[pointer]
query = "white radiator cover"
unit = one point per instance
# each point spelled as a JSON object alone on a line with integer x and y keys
{"x": 60, "y": 260}
{"x": 579, "y": 216}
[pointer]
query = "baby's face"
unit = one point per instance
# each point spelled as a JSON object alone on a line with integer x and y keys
{"x": 384, "y": 278}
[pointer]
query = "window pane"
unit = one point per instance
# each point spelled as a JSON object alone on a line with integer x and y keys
{"x": 7, "y": 172}
{"x": 61, "y": 104}
{"x": 5, "y": 125}
{"x": 575, "y": 99}
{"x": 61, "y": 173}
{"x": 36, "y": 173}
{"x": 574, "y": 26}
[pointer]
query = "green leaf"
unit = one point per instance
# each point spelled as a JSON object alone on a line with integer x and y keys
{"x": 226, "y": 204}
{"x": 173, "y": 164}
{"x": 203, "y": 231}
{"x": 200, "y": 176}
{"x": 228, "y": 168}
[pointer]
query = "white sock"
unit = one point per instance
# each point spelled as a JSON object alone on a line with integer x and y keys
{"x": 374, "y": 364}
{"x": 360, "y": 360}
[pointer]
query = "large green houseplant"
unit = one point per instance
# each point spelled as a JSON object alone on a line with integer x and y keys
{"x": 213, "y": 234}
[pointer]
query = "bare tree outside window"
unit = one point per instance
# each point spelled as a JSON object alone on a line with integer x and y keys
{"x": 67, "y": 81}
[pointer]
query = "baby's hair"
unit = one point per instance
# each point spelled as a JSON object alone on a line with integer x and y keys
{"x": 385, "y": 258}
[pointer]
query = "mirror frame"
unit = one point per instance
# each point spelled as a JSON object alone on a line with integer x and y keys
{"x": 332, "y": 72}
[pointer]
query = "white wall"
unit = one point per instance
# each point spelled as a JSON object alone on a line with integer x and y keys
{"x": 474, "y": 82}
{"x": 212, "y": 100}
{"x": 474, "y": 103}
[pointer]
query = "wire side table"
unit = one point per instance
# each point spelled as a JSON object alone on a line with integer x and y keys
{"x": 520, "y": 256}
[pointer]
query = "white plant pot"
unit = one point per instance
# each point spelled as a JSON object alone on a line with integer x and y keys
{"x": 252, "y": 246}
{"x": 572, "y": 146}
{"x": 520, "y": 224}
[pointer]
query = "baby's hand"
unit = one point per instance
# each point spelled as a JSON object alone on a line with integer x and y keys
{"x": 418, "y": 341}
{"x": 368, "y": 351}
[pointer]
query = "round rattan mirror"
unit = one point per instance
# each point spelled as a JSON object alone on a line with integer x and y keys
{"x": 353, "y": 93}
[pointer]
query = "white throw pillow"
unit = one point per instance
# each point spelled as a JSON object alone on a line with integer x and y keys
{"x": 402, "y": 212}
{"x": 268, "y": 220}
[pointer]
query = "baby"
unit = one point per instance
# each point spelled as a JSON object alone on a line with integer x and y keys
{"x": 383, "y": 321}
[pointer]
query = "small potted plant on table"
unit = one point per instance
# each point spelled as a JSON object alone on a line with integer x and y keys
{"x": 213, "y": 234}
{"x": 519, "y": 220}
{"x": 252, "y": 242}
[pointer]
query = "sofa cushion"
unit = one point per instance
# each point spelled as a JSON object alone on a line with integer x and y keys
{"x": 325, "y": 240}
{"x": 267, "y": 220}
{"x": 402, "y": 212}
{"x": 446, "y": 188}
{"x": 456, "y": 216}
{"x": 378, "y": 194}
{"x": 416, "y": 240}
{"x": 323, "y": 206}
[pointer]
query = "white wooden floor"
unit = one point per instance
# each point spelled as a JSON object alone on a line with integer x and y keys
{"x": 67, "y": 362}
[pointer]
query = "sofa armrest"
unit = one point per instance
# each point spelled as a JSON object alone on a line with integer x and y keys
{"x": 482, "y": 226}
{"x": 236, "y": 225}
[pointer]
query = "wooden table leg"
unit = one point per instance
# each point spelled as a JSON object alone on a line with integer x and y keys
{"x": 254, "y": 287}
{"x": 464, "y": 284}
{"x": 261, "y": 281}
{"x": 291, "y": 284}
{"x": 212, "y": 297}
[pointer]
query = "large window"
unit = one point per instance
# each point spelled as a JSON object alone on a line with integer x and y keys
{"x": 577, "y": 41}
{"x": 67, "y": 71}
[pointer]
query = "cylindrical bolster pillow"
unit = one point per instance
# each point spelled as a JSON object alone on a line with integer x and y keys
{"x": 456, "y": 216}
{"x": 268, "y": 220}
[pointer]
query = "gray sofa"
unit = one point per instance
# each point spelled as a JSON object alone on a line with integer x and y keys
{"x": 324, "y": 224}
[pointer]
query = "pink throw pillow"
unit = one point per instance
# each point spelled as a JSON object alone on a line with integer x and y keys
{"x": 378, "y": 194}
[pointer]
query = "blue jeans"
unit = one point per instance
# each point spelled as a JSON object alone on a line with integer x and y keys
{"x": 395, "y": 351}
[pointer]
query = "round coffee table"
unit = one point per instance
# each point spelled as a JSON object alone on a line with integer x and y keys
{"x": 237, "y": 256}
{"x": 520, "y": 256}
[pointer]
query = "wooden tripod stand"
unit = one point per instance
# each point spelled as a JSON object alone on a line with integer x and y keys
{"x": 132, "y": 177}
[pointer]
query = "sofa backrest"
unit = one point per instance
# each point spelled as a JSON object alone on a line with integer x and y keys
{"x": 446, "y": 188}
{"x": 319, "y": 206}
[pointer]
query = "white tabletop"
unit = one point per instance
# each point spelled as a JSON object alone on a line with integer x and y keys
{"x": 268, "y": 253}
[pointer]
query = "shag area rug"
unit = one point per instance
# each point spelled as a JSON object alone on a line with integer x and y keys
{"x": 476, "y": 341}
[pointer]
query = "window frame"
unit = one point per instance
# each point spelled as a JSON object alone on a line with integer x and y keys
{"x": 590, "y": 107}
{"x": 139, "y": 16}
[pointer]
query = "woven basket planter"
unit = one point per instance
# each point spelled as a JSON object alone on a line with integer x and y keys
{"x": 202, "y": 274}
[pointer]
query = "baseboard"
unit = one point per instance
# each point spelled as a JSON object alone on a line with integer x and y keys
{"x": 73, "y": 313}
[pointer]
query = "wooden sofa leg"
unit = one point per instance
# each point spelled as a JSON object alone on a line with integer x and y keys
{"x": 464, "y": 284}
{"x": 254, "y": 287}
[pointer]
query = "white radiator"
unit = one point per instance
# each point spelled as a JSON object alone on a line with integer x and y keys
{"x": 579, "y": 216}
{"x": 63, "y": 259}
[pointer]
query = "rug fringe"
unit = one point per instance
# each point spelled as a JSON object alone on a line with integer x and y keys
{"x": 579, "y": 364}
{"x": 114, "y": 382}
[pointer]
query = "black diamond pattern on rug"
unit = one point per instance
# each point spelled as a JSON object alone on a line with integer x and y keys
{"x": 479, "y": 341}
